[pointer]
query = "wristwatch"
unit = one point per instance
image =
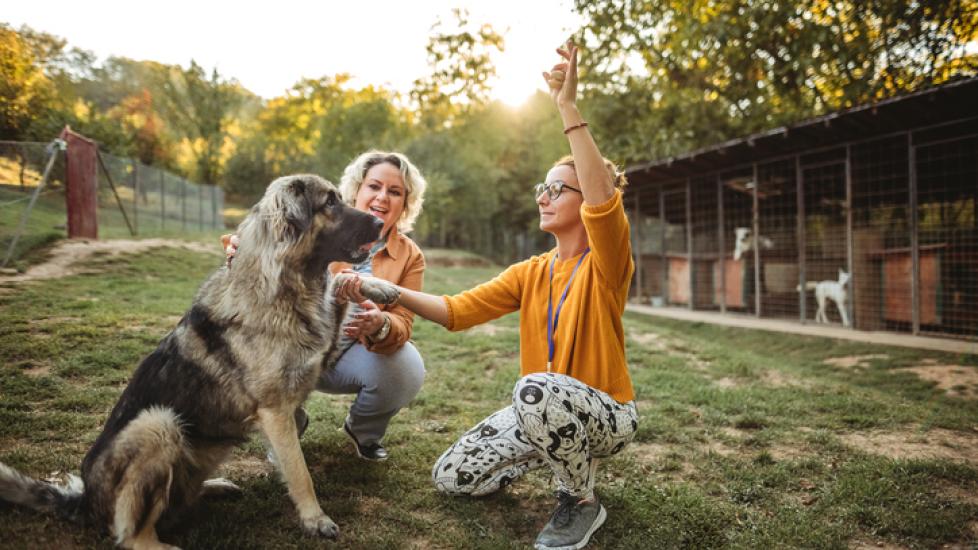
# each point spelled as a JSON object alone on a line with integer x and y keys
{"x": 384, "y": 330}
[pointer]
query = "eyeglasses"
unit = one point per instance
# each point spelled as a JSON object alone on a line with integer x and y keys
{"x": 552, "y": 189}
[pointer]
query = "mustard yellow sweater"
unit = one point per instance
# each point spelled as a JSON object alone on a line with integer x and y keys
{"x": 589, "y": 339}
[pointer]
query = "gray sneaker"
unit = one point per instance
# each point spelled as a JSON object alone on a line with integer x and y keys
{"x": 572, "y": 523}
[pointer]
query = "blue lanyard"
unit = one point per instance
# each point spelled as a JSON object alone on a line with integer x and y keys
{"x": 552, "y": 327}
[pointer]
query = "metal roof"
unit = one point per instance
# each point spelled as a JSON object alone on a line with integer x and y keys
{"x": 957, "y": 100}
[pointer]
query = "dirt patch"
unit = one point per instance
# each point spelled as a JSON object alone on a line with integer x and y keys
{"x": 242, "y": 467}
{"x": 37, "y": 371}
{"x": 854, "y": 361}
{"x": 648, "y": 340}
{"x": 862, "y": 544}
{"x": 955, "y": 380}
{"x": 771, "y": 378}
{"x": 647, "y": 452}
{"x": 726, "y": 383}
{"x": 488, "y": 330}
{"x": 68, "y": 257}
{"x": 936, "y": 443}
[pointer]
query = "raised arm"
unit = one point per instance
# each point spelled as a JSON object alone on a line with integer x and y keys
{"x": 597, "y": 185}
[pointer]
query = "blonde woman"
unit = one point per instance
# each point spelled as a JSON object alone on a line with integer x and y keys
{"x": 574, "y": 402}
{"x": 381, "y": 366}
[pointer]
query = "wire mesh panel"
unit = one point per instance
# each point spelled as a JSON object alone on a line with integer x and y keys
{"x": 947, "y": 193}
{"x": 881, "y": 258}
{"x": 826, "y": 247}
{"x": 642, "y": 208}
{"x": 737, "y": 193}
{"x": 777, "y": 243}
{"x": 675, "y": 244}
{"x": 26, "y": 225}
{"x": 115, "y": 207}
{"x": 705, "y": 233}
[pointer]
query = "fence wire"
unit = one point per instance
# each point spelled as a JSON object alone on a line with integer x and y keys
{"x": 157, "y": 202}
{"x": 876, "y": 235}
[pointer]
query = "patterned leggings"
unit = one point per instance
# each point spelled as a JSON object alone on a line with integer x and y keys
{"x": 554, "y": 420}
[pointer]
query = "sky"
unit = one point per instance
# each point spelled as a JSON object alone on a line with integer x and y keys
{"x": 269, "y": 46}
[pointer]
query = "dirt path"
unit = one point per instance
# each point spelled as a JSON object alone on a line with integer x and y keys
{"x": 68, "y": 257}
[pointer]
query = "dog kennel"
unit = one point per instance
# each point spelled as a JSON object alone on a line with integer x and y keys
{"x": 865, "y": 218}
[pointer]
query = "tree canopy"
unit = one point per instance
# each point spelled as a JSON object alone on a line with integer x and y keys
{"x": 659, "y": 78}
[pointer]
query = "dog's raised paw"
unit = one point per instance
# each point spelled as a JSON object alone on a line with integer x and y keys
{"x": 380, "y": 292}
{"x": 321, "y": 526}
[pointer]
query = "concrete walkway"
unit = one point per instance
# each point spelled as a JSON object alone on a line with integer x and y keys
{"x": 793, "y": 327}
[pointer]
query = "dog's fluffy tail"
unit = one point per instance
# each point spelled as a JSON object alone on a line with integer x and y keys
{"x": 808, "y": 286}
{"x": 61, "y": 500}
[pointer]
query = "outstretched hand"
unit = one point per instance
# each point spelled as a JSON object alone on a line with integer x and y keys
{"x": 562, "y": 78}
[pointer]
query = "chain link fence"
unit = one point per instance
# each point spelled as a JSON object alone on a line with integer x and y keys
{"x": 156, "y": 202}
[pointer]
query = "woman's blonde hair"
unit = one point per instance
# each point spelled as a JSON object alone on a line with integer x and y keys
{"x": 414, "y": 183}
{"x": 617, "y": 178}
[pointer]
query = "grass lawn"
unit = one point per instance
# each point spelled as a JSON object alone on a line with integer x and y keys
{"x": 746, "y": 439}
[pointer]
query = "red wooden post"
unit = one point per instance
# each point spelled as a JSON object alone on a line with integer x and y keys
{"x": 81, "y": 198}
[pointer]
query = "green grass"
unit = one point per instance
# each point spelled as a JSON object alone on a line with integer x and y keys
{"x": 742, "y": 441}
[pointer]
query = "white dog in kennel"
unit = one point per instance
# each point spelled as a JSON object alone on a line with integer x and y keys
{"x": 831, "y": 290}
{"x": 745, "y": 242}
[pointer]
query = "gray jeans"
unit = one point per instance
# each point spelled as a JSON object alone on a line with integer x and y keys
{"x": 383, "y": 385}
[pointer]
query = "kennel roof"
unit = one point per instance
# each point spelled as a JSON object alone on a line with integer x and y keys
{"x": 953, "y": 102}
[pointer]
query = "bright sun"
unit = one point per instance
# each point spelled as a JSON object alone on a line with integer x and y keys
{"x": 514, "y": 92}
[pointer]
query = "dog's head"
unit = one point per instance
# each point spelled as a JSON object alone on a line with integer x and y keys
{"x": 741, "y": 242}
{"x": 302, "y": 222}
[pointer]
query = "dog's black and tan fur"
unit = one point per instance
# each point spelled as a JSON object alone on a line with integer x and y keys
{"x": 243, "y": 358}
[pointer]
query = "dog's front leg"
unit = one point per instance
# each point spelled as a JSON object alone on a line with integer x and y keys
{"x": 278, "y": 424}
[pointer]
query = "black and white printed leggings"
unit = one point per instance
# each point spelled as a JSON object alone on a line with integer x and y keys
{"x": 554, "y": 420}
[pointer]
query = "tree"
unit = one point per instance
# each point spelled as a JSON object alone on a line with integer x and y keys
{"x": 462, "y": 68}
{"x": 25, "y": 91}
{"x": 319, "y": 126}
{"x": 201, "y": 109}
{"x": 693, "y": 73}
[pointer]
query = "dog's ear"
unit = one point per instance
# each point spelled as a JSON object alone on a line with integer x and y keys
{"x": 298, "y": 208}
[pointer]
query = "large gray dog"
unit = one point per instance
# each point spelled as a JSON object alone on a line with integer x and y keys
{"x": 245, "y": 356}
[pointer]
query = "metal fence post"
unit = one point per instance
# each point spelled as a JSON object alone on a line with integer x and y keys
{"x": 135, "y": 195}
{"x": 183, "y": 204}
{"x": 200, "y": 206}
{"x": 214, "y": 205}
{"x": 662, "y": 250}
{"x": 162, "y": 200}
{"x": 638, "y": 247}
{"x": 756, "y": 246}
{"x": 689, "y": 245}
{"x": 850, "y": 240}
{"x": 722, "y": 246}
{"x": 800, "y": 230}
{"x": 914, "y": 238}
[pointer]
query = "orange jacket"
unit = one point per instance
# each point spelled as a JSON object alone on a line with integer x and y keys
{"x": 589, "y": 339}
{"x": 402, "y": 263}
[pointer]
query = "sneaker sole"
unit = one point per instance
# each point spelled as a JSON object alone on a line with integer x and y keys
{"x": 598, "y": 522}
{"x": 356, "y": 446}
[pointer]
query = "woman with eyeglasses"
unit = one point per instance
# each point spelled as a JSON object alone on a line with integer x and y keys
{"x": 574, "y": 402}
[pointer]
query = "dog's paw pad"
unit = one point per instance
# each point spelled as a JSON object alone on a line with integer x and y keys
{"x": 321, "y": 526}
